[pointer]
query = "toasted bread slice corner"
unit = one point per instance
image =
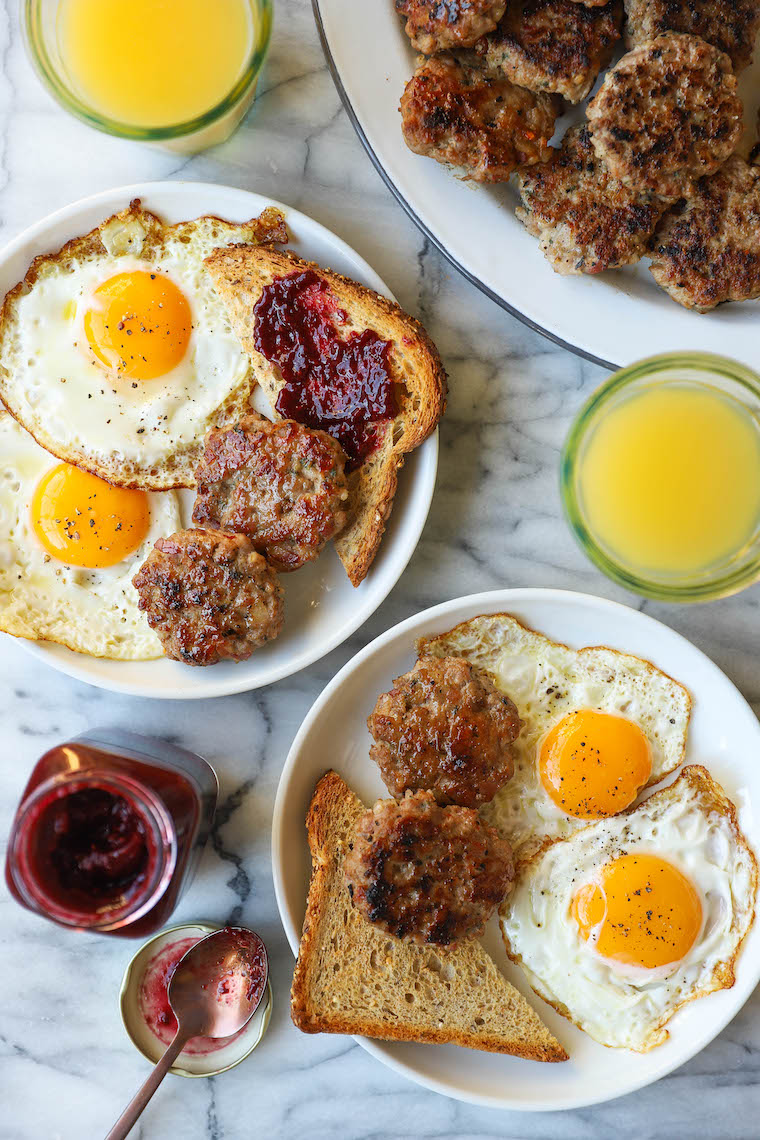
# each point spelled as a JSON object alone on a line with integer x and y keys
{"x": 352, "y": 978}
{"x": 240, "y": 274}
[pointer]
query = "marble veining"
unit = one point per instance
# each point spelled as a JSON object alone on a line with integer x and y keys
{"x": 66, "y": 1066}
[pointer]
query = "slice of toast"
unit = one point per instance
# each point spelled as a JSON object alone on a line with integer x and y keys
{"x": 352, "y": 978}
{"x": 240, "y": 274}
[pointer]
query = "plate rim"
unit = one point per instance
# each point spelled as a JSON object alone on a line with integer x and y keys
{"x": 425, "y": 230}
{"x": 209, "y": 688}
{"x": 493, "y": 601}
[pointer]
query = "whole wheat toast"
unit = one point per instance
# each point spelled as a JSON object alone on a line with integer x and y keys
{"x": 352, "y": 978}
{"x": 240, "y": 274}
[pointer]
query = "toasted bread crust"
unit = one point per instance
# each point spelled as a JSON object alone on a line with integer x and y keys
{"x": 240, "y": 274}
{"x": 334, "y": 802}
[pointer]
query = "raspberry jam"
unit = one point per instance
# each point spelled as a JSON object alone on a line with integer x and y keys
{"x": 341, "y": 384}
{"x": 108, "y": 832}
{"x": 91, "y": 846}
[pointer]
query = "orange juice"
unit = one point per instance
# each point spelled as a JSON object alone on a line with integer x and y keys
{"x": 154, "y": 63}
{"x": 669, "y": 478}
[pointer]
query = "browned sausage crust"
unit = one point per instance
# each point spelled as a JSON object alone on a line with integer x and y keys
{"x": 281, "y": 484}
{"x": 586, "y": 220}
{"x": 456, "y": 113}
{"x": 209, "y": 596}
{"x": 667, "y": 114}
{"x": 730, "y": 25}
{"x": 554, "y": 45}
{"x": 431, "y": 874}
{"x": 445, "y": 727}
{"x": 707, "y": 250}
{"x": 438, "y": 25}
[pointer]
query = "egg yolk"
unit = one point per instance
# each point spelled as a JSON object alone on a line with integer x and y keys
{"x": 593, "y": 764}
{"x": 642, "y": 912}
{"x": 83, "y": 521}
{"x": 138, "y": 324}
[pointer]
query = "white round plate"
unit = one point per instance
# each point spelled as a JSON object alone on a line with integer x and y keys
{"x": 614, "y": 318}
{"x": 322, "y": 608}
{"x": 724, "y": 736}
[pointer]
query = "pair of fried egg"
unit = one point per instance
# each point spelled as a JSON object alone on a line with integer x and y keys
{"x": 117, "y": 356}
{"x": 616, "y": 919}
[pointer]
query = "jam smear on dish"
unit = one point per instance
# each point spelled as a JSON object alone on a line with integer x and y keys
{"x": 153, "y": 995}
{"x": 95, "y": 845}
{"x": 341, "y": 384}
{"x": 154, "y": 1000}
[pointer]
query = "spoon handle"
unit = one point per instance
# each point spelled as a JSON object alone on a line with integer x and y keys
{"x": 133, "y": 1111}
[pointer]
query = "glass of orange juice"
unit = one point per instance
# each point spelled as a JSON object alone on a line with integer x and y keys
{"x": 177, "y": 72}
{"x": 660, "y": 477}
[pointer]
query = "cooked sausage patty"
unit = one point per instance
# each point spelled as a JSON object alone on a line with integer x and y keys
{"x": 438, "y": 25}
{"x": 454, "y": 112}
{"x": 707, "y": 250}
{"x": 209, "y": 596}
{"x": 281, "y": 484}
{"x": 667, "y": 114}
{"x": 431, "y": 874}
{"x": 554, "y": 45}
{"x": 585, "y": 219}
{"x": 730, "y": 25}
{"x": 444, "y": 727}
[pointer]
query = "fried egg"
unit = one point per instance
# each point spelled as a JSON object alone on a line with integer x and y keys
{"x": 116, "y": 352}
{"x": 598, "y": 726}
{"x": 69, "y": 545}
{"x": 625, "y": 921}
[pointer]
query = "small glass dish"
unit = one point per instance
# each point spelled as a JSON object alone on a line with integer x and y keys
{"x": 213, "y": 126}
{"x": 143, "y": 1038}
{"x": 717, "y": 373}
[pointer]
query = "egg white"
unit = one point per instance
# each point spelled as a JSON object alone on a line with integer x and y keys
{"x": 134, "y": 433}
{"x": 90, "y": 611}
{"x": 692, "y": 825}
{"x": 547, "y": 680}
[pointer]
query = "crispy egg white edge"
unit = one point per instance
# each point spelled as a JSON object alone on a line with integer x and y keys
{"x": 693, "y": 789}
{"x": 502, "y": 645}
{"x": 67, "y": 605}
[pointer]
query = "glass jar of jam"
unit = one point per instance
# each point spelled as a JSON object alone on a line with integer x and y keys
{"x": 109, "y": 831}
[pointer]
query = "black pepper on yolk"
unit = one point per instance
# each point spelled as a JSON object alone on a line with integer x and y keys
{"x": 642, "y": 911}
{"x": 138, "y": 324}
{"x": 594, "y": 764}
{"x": 83, "y": 521}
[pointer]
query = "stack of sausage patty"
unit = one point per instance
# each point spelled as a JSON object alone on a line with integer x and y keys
{"x": 652, "y": 171}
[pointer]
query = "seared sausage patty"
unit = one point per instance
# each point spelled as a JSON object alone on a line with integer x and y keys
{"x": 554, "y": 45}
{"x": 586, "y": 220}
{"x": 456, "y": 113}
{"x": 730, "y": 25}
{"x": 444, "y": 727}
{"x": 431, "y": 874}
{"x": 667, "y": 114}
{"x": 438, "y": 25}
{"x": 209, "y": 596}
{"x": 707, "y": 250}
{"x": 281, "y": 484}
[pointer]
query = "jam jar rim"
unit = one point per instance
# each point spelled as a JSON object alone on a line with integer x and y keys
{"x": 162, "y": 844}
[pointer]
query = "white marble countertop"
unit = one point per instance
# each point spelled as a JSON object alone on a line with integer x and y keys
{"x": 66, "y": 1065}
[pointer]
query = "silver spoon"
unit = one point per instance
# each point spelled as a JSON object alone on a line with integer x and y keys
{"x": 214, "y": 991}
